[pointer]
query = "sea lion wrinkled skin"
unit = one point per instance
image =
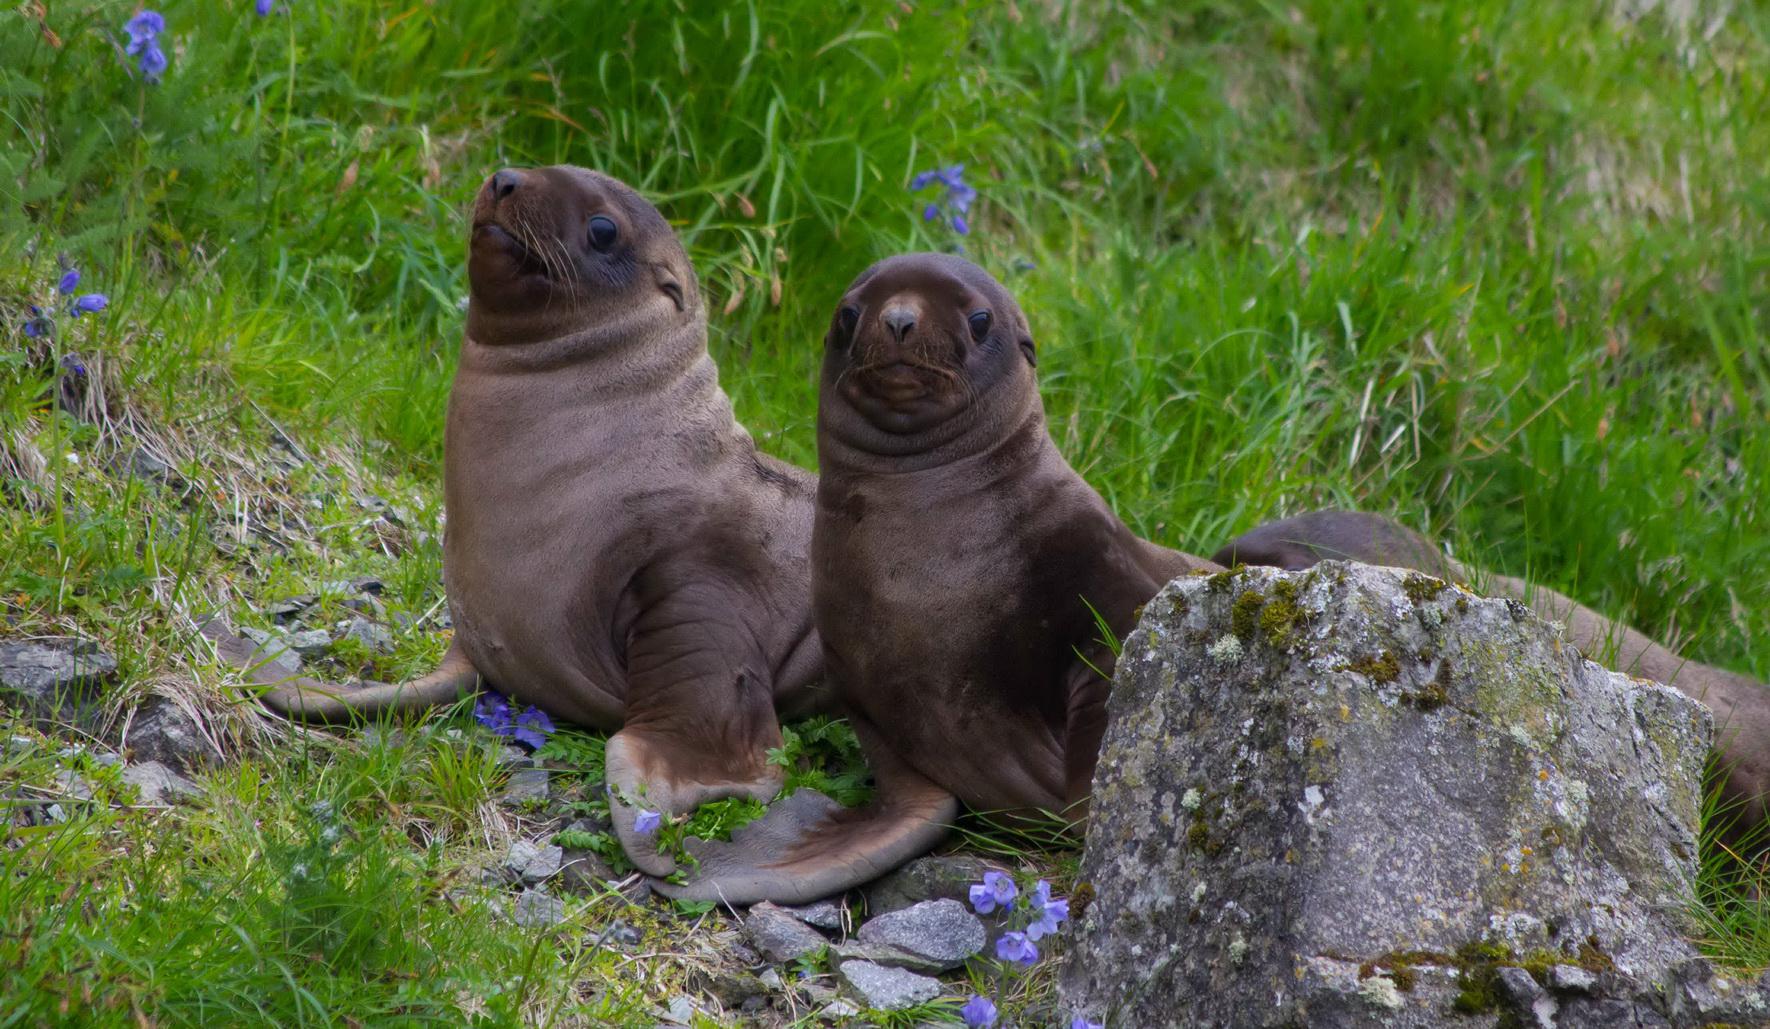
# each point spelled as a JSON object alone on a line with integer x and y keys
{"x": 1741, "y": 704}
{"x": 959, "y": 564}
{"x": 618, "y": 553}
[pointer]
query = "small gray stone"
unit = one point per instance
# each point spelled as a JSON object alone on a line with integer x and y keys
{"x": 272, "y": 651}
{"x": 285, "y": 611}
{"x": 54, "y": 680}
{"x": 537, "y": 910}
{"x": 681, "y": 1009}
{"x": 372, "y": 635}
{"x": 887, "y": 955}
{"x": 837, "y": 1010}
{"x": 161, "y": 731}
{"x": 930, "y": 878}
{"x": 309, "y": 642}
{"x": 533, "y": 862}
{"x": 779, "y": 936}
{"x": 106, "y": 758}
{"x": 527, "y": 786}
{"x": 825, "y": 914}
{"x": 71, "y": 784}
{"x": 886, "y": 989}
{"x": 583, "y": 871}
{"x": 1572, "y": 978}
{"x": 159, "y": 784}
{"x": 941, "y": 931}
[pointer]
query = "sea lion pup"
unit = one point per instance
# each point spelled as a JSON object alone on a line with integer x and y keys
{"x": 958, "y": 564}
{"x": 618, "y": 553}
{"x": 1741, "y": 705}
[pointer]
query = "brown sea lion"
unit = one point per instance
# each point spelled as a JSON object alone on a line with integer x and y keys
{"x": 1741, "y": 705}
{"x": 959, "y": 569}
{"x": 618, "y": 553}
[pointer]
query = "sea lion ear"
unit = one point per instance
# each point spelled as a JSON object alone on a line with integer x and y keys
{"x": 1028, "y": 351}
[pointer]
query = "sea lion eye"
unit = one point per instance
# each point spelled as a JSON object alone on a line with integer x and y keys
{"x": 848, "y": 318}
{"x": 603, "y": 232}
{"x": 980, "y": 322}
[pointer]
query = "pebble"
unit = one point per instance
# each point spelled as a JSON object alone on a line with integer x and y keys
{"x": 158, "y": 784}
{"x": 941, "y": 931}
{"x": 779, "y": 936}
{"x": 887, "y": 989}
{"x": 535, "y": 909}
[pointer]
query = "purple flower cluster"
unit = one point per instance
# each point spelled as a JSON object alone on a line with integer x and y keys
{"x": 144, "y": 43}
{"x": 495, "y": 713}
{"x": 959, "y": 195}
{"x": 42, "y": 323}
{"x": 1036, "y": 914}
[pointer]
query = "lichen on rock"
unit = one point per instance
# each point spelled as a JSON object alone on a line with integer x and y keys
{"x": 1397, "y": 795}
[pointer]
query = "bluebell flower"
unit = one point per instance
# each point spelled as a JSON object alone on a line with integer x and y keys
{"x": 144, "y": 32}
{"x": 646, "y": 822}
{"x": 995, "y": 891}
{"x": 532, "y": 727}
{"x": 1080, "y": 1022}
{"x": 88, "y": 303}
{"x": 153, "y": 63}
{"x": 979, "y": 1012}
{"x": 493, "y": 712}
{"x": 959, "y": 195}
{"x": 1047, "y": 914}
{"x": 1017, "y": 948}
{"x": 143, "y": 29}
{"x": 73, "y": 365}
{"x": 70, "y": 281}
{"x": 266, "y": 6}
{"x": 37, "y": 325}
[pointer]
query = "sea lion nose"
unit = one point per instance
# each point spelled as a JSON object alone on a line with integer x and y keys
{"x": 900, "y": 320}
{"x": 504, "y": 183}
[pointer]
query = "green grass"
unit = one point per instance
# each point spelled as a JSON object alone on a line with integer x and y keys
{"x": 1499, "y": 270}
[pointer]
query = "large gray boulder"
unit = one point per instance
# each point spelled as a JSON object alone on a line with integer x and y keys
{"x": 1361, "y": 796}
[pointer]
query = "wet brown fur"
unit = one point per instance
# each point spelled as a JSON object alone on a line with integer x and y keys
{"x": 618, "y": 553}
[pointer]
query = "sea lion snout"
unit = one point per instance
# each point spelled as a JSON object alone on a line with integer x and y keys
{"x": 899, "y": 318}
{"x": 503, "y": 183}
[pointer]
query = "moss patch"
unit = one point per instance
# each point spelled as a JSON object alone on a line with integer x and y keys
{"x": 1281, "y": 617}
{"x": 1421, "y": 588}
{"x": 1383, "y": 668}
{"x": 1244, "y": 614}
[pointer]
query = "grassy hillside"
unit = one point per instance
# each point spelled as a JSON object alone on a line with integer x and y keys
{"x": 1499, "y": 270}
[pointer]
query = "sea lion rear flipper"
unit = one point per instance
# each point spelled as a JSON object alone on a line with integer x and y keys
{"x": 307, "y": 699}
{"x": 809, "y": 847}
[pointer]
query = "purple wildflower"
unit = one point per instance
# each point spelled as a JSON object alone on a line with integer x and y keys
{"x": 264, "y": 7}
{"x": 493, "y": 712}
{"x": 72, "y": 364}
{"x": 1080, "y": 1022}
{"x": 37, "y": 325}
{"x": 70, "y": 281}
{"x": 646, "y": 822}
{"x": 87, "y": 303}
{"x": 959, "y": 195}
{"x": 143, "y": 29}
{"x": 1017, "y": 948}
{"x": 532, "y": 727}
{"x": 144, "y": 33}
{"x": 995, "y": 891}
{"x": 153, "y": 63}
{"x": 979, "y": 1012}
{"x": 1047, "y": 914}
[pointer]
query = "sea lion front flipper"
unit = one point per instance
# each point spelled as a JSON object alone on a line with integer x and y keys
{"x": 308, "y": 699}
{"x": 809, "y": 847}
